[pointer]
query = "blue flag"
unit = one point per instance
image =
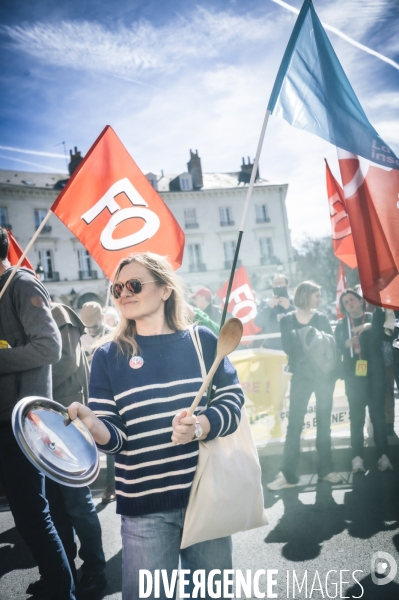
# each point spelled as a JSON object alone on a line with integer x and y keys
{"x": 312, "y": 92}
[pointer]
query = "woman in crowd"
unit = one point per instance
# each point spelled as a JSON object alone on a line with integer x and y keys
{"x": 306, "y": 379}
{"x": 359, "y": 342}
{"x": 141, "y": 383}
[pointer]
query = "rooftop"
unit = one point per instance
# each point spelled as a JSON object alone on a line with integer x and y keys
{"x": 31, "y": 178}
{"x": 211, "y": 181}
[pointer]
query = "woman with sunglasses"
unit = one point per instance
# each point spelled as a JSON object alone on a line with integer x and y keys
{"x": 359, "y": 341}
{"x": 142, "y": 380}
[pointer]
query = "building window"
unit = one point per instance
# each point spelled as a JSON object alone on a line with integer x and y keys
{"x": 229, "y": 249}
{"x": 195, "y": 258}
{"x": 229, "y": 252}
{"x": 3, "y": 217}
{"x": 225, "y": 216}
{"x": 46, "y": 260}
{"x": 266, "y": 251}
{"x": 266, "y": 247}
{"x": 153, "y": 180}
{"x": 186, "y": 184}
{"x": 85, "y": 270}
{"x": 40, "y": 213}
{"x": 262, "y": 215}
{"x": 190, "y": 218}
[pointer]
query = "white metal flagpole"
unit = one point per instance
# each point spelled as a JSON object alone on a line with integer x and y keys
{"x": 350, "y": 334}
{"x": 254, "y": 170}
{"x": 25, "y": 252}
{"x": 244, "y": 213}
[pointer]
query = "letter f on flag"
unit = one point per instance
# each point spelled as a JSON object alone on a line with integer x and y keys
{"x": 112, "y": 208}
{"x": 312, "y": 92}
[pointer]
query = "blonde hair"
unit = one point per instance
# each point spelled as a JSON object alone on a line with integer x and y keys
{"x": 176, "y": 313}
{"x": 303, "y": 292}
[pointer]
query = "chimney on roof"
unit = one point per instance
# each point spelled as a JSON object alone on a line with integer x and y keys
{"x": 74, "y": 161}
{"x": 195, "y": 170}
{"x": 246, "y": 169}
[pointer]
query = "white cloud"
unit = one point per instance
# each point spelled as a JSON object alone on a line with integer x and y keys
{"x": 213, "y": 72}
{"x": 31, "y": 164}
{"x": 35, "y": 152}
{"x": 142, "y": 47}
{"x": 383, "y": 100}
{"x": 367, "y": 19}
{"x": 354, "y": 17}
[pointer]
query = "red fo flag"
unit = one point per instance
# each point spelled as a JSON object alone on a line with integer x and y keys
{"x": 343, "y": 245}
{"x": 242, "y": 301}
{"x": 341, "y": 287}
{"x": 111, "y": 207}
{"x": 371, "y": 199}
{"x": 15, "y": 251}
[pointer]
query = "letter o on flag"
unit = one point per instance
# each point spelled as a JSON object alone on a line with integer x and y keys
{"x": 150, "y": 227}
{"x": 245, "y": 304}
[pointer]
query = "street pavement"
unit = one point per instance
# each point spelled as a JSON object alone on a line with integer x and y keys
{"x": 313, "y": 529}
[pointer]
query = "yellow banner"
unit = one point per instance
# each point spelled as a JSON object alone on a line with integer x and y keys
{"x": 266, "y": 384}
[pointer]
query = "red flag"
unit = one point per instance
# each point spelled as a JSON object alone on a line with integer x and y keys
{"x": 111, "y": 207}
{"x": 343, "y": 245}
{"x": 242, "y": 301}
{"x": 371, "y": 200}
{"x": 15, "y": 251}
{"x": 341, "y": 287}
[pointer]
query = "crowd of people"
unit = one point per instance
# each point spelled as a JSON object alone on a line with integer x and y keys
{"x": 144, "y": 374}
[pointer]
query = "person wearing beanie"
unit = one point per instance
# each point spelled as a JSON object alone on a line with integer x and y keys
{"x": 93, "y": 319}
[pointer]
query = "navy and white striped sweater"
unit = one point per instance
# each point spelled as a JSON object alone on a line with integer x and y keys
{"x": 138, "y": 406}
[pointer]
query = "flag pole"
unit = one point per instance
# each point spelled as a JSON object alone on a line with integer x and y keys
{"x": 25, "y": 252}
{"x": 350, "y": 335}
{"x": 242, "y": 226}
{"x": 244, "y": 214}
{"x": 254, "y": 170}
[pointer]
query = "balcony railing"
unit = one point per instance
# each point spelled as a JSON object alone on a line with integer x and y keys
{"x": 191, "y": 225}
{"x": 229, "y": 263}
{"x": 263, "y": 219}
{"x": 51, "y": 276}
{"x": 46, "y": 229}
{"x": 269, "y": 260}
{"x": 87, "y": 275}
{"x": 226, "y": 223}
{"x": 196, "y": 267}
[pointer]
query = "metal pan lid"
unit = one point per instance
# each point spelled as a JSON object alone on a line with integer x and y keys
{"x": 66, "y": 454}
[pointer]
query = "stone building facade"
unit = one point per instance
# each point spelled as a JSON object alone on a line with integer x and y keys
{"x": 208, "y": 207}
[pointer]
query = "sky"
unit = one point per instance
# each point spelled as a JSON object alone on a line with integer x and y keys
{"x": 172, "y": 75}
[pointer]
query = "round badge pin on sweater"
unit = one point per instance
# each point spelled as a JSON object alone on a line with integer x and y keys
{"x": 136, "y": 362}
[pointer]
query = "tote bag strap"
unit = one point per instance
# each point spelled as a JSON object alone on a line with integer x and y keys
{"x": 194, "y": 333}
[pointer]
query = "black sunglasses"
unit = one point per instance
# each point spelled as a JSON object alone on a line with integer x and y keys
{"x": 134, "y": 286}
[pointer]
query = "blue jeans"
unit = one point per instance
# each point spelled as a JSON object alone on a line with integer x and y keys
{"x": 73, "y": 508}
{"x": 153, "y": 542}
{"x": 24, "y": 488}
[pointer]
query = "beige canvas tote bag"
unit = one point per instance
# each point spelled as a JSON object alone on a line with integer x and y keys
{"x": 226, "y": 495}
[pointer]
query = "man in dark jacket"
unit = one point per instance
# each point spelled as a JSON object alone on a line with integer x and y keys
{"x": 72, "y": 508}
{"x": 29, "y": 343}
{"x": 268, "y": 318}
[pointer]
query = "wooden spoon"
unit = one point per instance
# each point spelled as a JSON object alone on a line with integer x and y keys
{"x": 229, "y": 338}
